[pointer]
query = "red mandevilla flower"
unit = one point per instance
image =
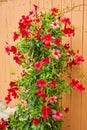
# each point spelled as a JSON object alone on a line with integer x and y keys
{"x": 53, "y": 83}
{"x": 69, "y": 31}
{"x": 45, "y": 60}
{"x": 54, "y": 10}
{"x": 40, "y": 92}
{"x": 41, "y": 83}
{"x": 57, "y": 41}
{"x": 15, "y": 37}
{"x": 80, "y": 88}
{"x": 66, "y": 21}
{"x": 47, "y": 38}
{"x": 7, "y": 49}
{"x": 18, "y": 57}
{"x": 38, "y": 66}
{"x": 67, "y": 46}
{"x": 35, "y": 7}
{"x": 57, "y": 115}
{"x": 47, "y": 45}
{"x": 74, "y": 83}
{"x": 13, "y": 49}
{"x": 35, "y": 121}
{"x": 78, "y": 59}
{"x": 45, "y": 112}
{"x": 8, "y": 99}
{"x": 12, "y": 91}
{"x": 66, "y": 109}
{"x": 44, "y": 97}
{"x": 3, "y": 124}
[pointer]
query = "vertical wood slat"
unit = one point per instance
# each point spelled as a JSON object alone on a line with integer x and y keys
{"x": 10, "y": 13}
{"x": 76, "y": 98}
{"x": 67, "y": 97}
{"x": 3, "y": 35}
{"x": 84, "y": 95}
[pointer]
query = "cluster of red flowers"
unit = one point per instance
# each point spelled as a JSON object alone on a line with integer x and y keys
{"x": 74, "y": 58}
{"x": 17, "y": 55}
{"x": 46, "y": 110}
{"x": 12, "y": 92}
{"x": 38, "y": 65}
{"x": 35, "y": 121}
{"x": 41, "y": 84}
{"x": 67, "y": 30}
{"x": 77, "y": 60}
{"x": 3, "y": 124}
{"x": 75, "y": 84}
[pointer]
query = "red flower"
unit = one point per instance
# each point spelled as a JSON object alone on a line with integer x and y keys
{"x": 2, "y": 124}
{"x": 15, "y": 37}
{"x": 37, "y": 20}
{"x": 12, "y": 91}
{"x": 35, "y": 121}
{"x": 66, "y": 109}
{"x": 77, "y": 85}
{"x": 8, "y": 99}
{"x": 17, "y": 59}
{"x": 45, "y": 112}
{"x": 40, "y": 92}
{"x": 38, "y": 66}
{"x": 7, "y": 49}
{"x": 53, "y": 99}
{"x": 25, "y": 33}
{"x": 47, "y": 45}
{"x": 70, "y": 63}
{"x": 44, "y": 97}
{"x": 35, "y": 7}
{"x": 80, "y": 88}
{"x": 74, "y": 83}
{"x": 47, "y": 38}
{"x": 53, "y": 83}
{"x": 32, "y": 13}
{"x": 13, "y": 49}
{"x": 69, "y": 31}
{"x": 54, "y": 10}
{"x": 41, "y": 83}
{"x": 45, "y": 60}
{"x": 57, "y": 41}
{"x": 57, "y": 115}
{"x": 66, "y": 21}
{"x": 67, "y": 46}
{"x": 78, "y": 59}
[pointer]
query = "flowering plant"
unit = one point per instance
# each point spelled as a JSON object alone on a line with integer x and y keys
{"x": 44, "y": 58}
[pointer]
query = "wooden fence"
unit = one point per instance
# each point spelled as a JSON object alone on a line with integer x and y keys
{"x": 10, "y": 13}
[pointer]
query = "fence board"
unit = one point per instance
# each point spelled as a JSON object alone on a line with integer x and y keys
{"x": 76, "y": 99}
{"x": 84, "y": 95}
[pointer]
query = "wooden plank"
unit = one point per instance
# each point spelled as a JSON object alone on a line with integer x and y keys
{"x": 57, "y": 3}
{"x": 47, "y": 4}
{"x": 84, "y": 95}
{"x": 76, "y": 99}
{"x": 67, "y": 97}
